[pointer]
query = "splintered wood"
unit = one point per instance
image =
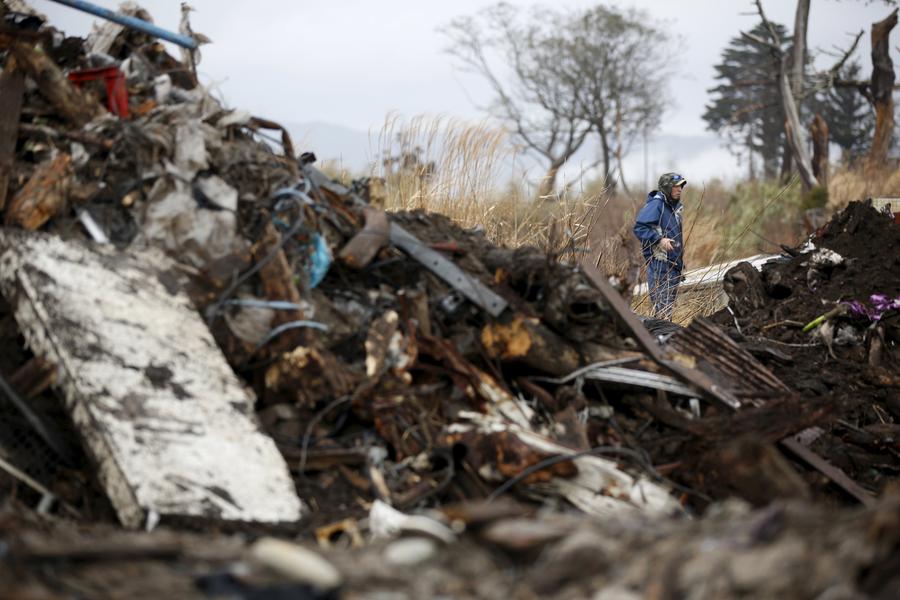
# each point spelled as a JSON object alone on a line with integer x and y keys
{"x": 12, "y": 86}
{"x": 43, "y": 196}
{"x": 168, "y": 423}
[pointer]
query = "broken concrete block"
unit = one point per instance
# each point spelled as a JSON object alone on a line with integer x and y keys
{"x": 166, "y": 420}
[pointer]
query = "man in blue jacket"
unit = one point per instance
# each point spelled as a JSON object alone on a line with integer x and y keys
{"x": 658, "y": 228}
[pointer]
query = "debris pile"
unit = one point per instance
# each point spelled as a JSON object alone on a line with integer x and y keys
{"x": 827, "y": 321}
{"x": 203, "y": 330}
{"x": 783, "y": 551}
{"x": 392, "y": 357}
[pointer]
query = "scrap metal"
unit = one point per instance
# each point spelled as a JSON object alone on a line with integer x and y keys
{"x": 131, "y": 22}
{"x": 650, "y": 345}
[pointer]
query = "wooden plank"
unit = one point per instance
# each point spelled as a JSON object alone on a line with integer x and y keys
{"x": 12, "y": 86}
{"x": 795, "y": 445}
{"x": 168, "y": 424}
{"x": 44, "y": 195}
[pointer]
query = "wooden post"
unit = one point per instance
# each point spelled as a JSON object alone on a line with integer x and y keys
{"x": 818, "y": 131}
{"x": 881, "y": 90}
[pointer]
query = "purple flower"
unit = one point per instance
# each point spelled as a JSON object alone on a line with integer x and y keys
{"x": 881, "y": 305}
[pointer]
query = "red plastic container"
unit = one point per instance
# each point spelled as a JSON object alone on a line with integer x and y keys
{"x": 116, "y": 92}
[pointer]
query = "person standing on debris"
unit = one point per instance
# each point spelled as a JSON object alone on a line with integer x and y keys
{"x": 658, "y": 228}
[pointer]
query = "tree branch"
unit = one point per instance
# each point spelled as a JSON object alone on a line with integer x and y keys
{"x": 771, "y": 28}
{"x": 758, "y": 40}
{"x": 796, "y": 134}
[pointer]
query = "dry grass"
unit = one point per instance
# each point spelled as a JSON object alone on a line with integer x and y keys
{"x": 454, "y": 167}
{"x": 847, "y": 185}
{"x": 441, "y": 165}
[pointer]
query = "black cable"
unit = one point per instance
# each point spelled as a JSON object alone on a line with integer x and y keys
{"x": 307, "y": 436}
{"x": 779, "y": 246}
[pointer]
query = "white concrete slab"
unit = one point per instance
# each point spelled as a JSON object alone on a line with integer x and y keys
{"x": 170, "y": 426}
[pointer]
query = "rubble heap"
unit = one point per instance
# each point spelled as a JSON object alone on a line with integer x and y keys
{"x": 176, "y": 280}
{"x": 847, "y": 361}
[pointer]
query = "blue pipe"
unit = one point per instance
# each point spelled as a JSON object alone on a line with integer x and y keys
{"x": 132, "y": 22}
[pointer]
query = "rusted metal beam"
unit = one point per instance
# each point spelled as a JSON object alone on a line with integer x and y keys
{"x": 467, "y": 285}
{"x": 726, "y": 363}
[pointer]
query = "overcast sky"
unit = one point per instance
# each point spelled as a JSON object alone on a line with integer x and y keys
{"x": 352, "y": 62}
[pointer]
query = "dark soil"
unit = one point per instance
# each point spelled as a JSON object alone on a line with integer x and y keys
{"x": 857, "y": 378}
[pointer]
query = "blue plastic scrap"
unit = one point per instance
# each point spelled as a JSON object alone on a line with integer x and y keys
{"x": 319, "y": 260}
{"x": 131, "y": 22}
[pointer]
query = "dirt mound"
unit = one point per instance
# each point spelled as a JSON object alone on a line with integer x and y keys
{"x": 856, "y": 255}
{"x": 861, "y": 232}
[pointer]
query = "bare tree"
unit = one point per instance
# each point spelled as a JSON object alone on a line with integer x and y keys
{"x": 878, "y": 89}
{"x": 559, "y": 76}
{"x": 798, "y": 50}
{"x": 798, "y": 69}
{"x": 616, "y": 67}
{"x": 796, "y": 135}
{"x": 793, "y": 92}
{"x": 543, "y": 116}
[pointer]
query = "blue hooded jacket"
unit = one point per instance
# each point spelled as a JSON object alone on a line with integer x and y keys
{"x": 660, "y": 218}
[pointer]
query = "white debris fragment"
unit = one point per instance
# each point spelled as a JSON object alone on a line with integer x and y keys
{"x": 823, "y": 257}
{"x": 296, "y": 563}
{"x": 410, "y": 551}
{"x": 386, "y": 521}
{"x": 168, "y": 423}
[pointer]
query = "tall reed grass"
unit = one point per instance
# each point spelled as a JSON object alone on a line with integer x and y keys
{"x": 472, "y": 173}
{"x": 455, "y": 168}
{"x": 848, "y": 184}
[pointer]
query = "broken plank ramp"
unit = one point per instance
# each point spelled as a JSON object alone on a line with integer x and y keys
{"x": 164, "y": 417}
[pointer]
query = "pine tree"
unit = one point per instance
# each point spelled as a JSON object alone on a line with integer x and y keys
{"x": 746, "y": 105}
{"x": 849, "y": 116}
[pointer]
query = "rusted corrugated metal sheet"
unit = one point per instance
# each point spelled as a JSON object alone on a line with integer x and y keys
{"x": 726, "y": 363}
{"x": 695, "y": 377}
